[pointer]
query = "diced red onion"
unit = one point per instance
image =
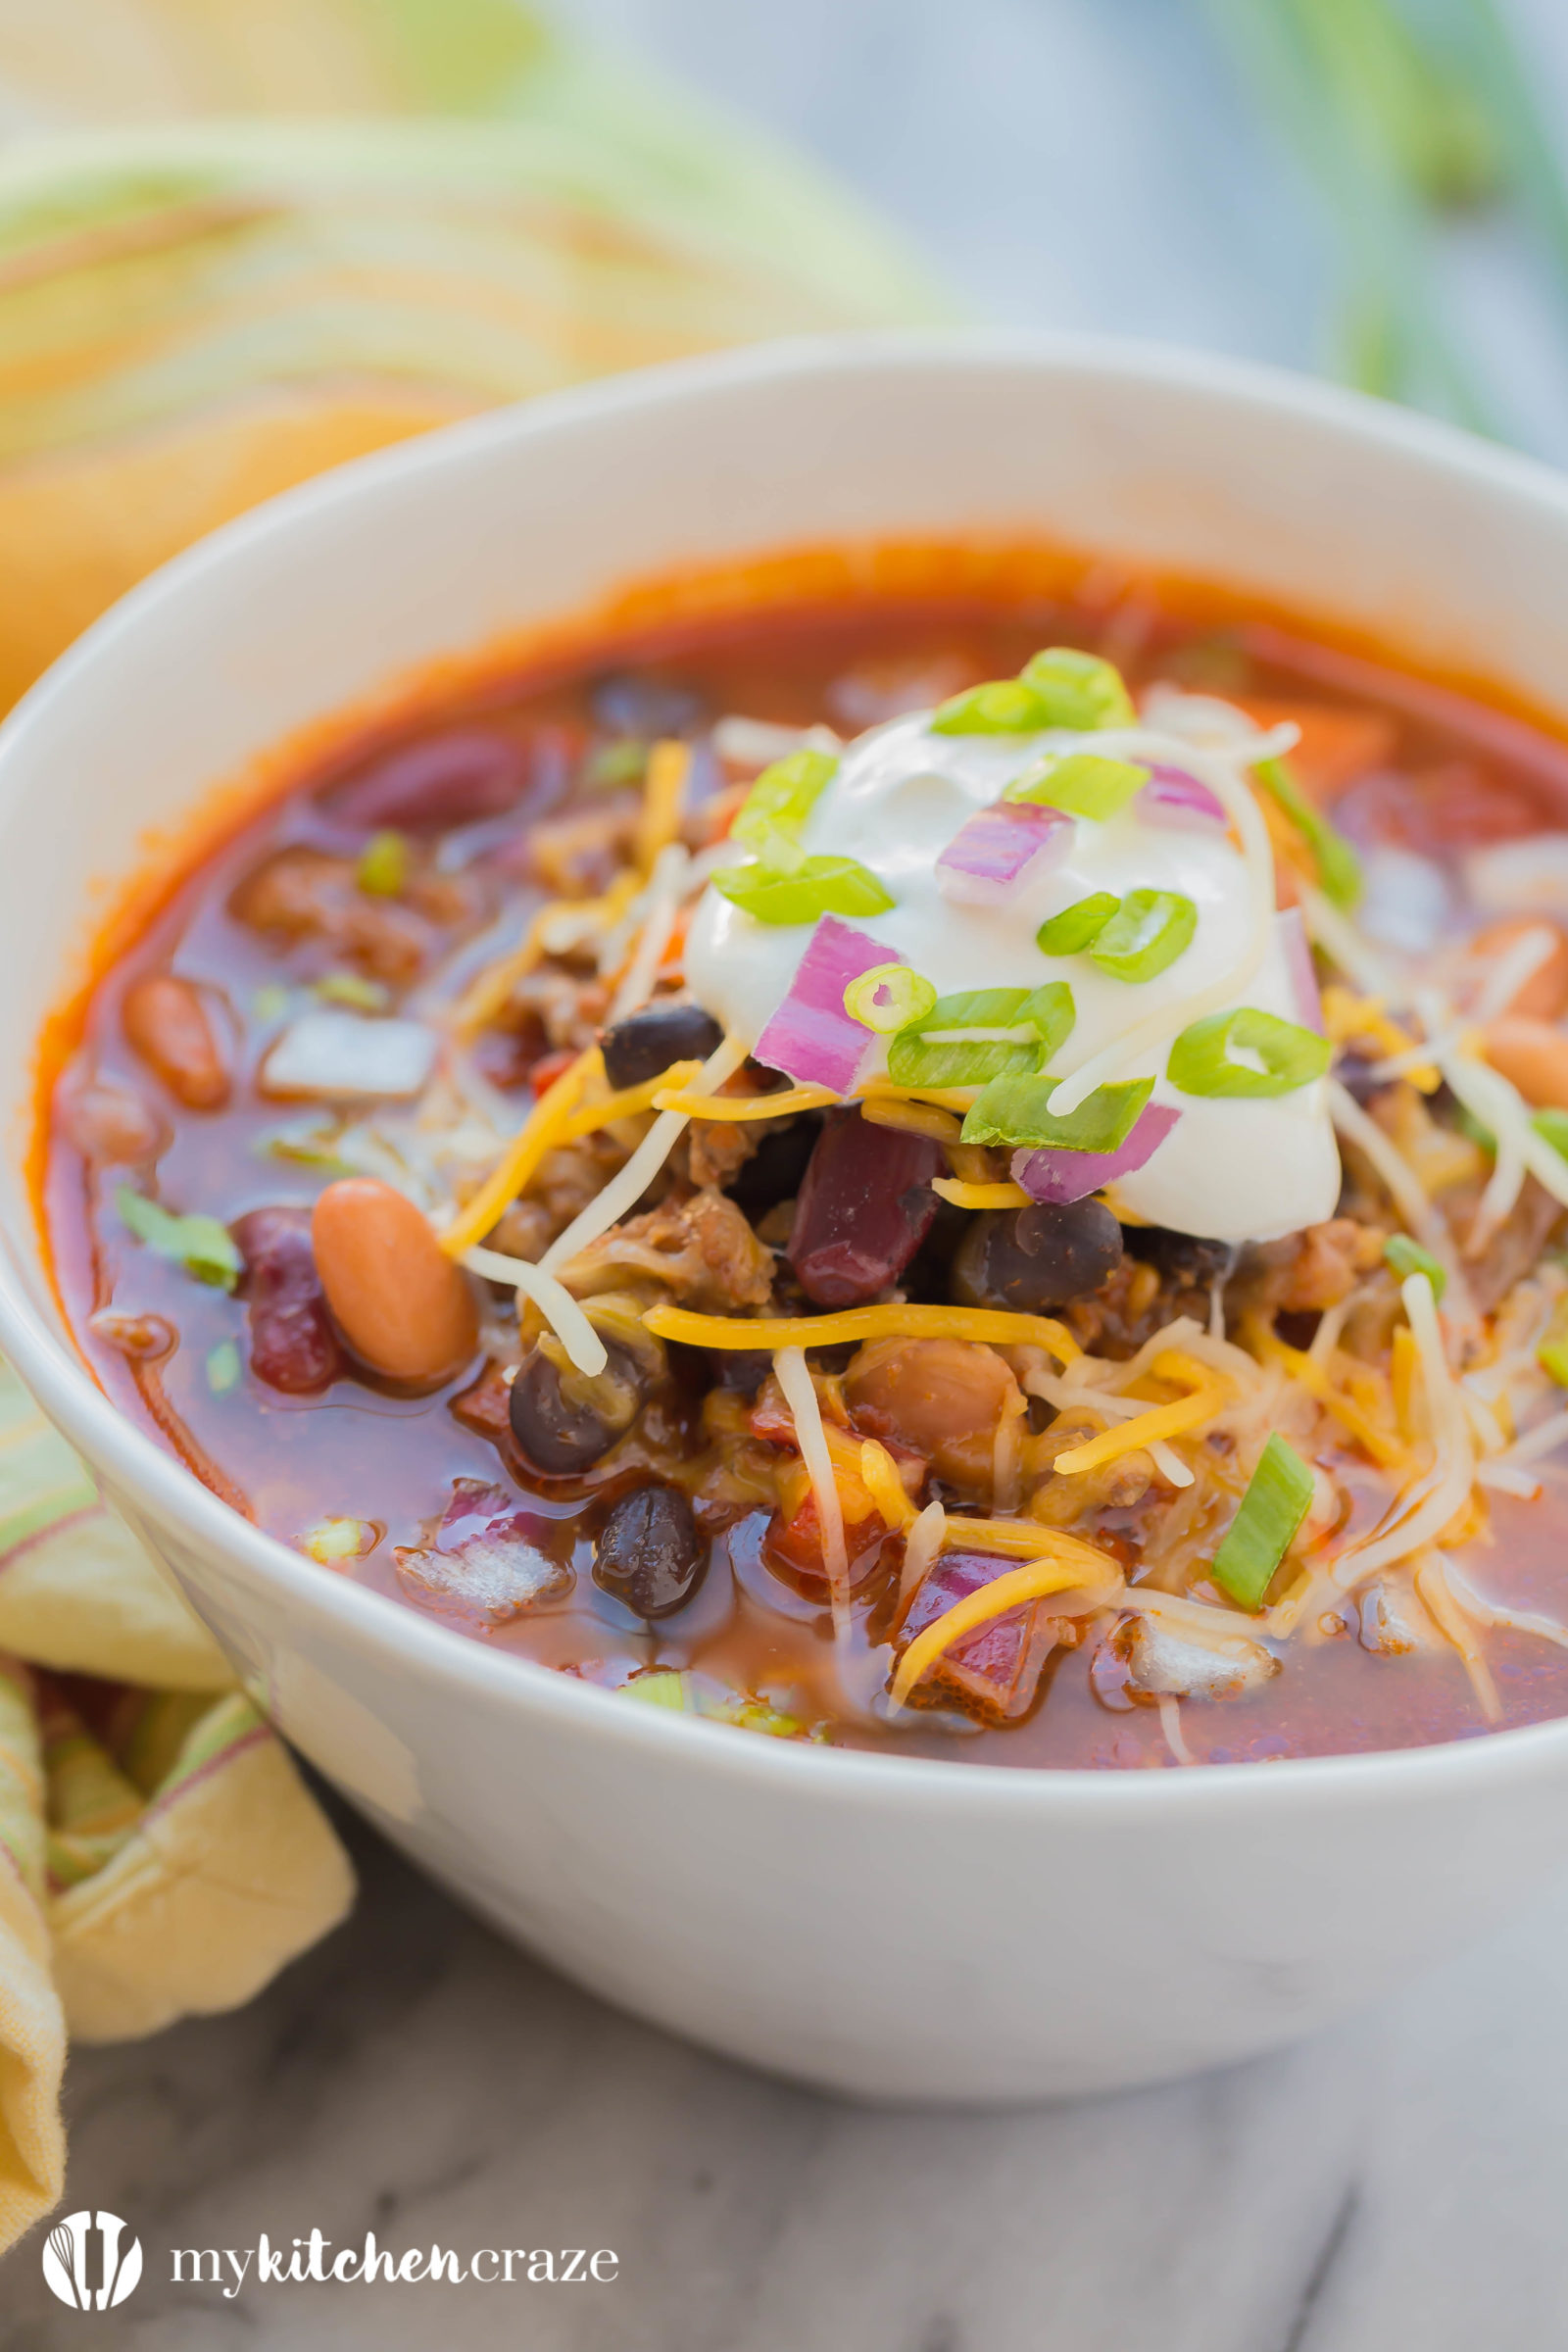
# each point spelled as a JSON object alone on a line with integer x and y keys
{"x": 1000, "y": 849}
{"x": 1303, "y": 972}
{"x": 1172, "y": 797}
{"x": 1063, "y": 1177}
{"x": 811, "y": 1037}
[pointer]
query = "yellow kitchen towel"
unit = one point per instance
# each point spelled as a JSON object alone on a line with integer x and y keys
{"x": 160, "y": 1856}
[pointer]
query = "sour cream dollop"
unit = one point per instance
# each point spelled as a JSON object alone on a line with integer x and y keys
{"x": 1230, "y": 1170}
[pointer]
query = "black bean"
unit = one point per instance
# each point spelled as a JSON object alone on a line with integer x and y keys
{"x": 864, "y": 1208}
{"x": 1181, "y": 1257}
{"x": 293, "y": 1343}
{"x": 1031, "y": 1259}
{"x": 776, "y": 1169}
{"x": 742, "y": 1370}
{"x": 649, "y": 1553}
{"x": 630, "y": 703}
{"x": 446, "y": 780}
{"x": 562, "y": 1435}
{"x": 1354, "y": 1073}
{"x": 638, "y": 1048}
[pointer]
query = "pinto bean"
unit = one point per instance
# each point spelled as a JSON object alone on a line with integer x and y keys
{"x": 649, "y": 1553}
{"x": 941, "y": 1397}
{"x": 864, "y": 1208}
{"x": 401, "y": 1304}
{"x": 1531, "y": 1056}
{"x": 114, "y": 1126}
{"x": 1544, "y": 996}
{"x": 293, "y": 1345}
{"x": 168, "y": 1024}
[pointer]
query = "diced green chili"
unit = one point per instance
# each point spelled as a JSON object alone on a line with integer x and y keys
{"x": 1406, "y": 1257}
{"x": 1206, "y": 1059}
{"x": 201, "y": 1244}
{"x": 1148, "y": 932}
{"x": 1077, "y": 926}
{"x": 383, "y": 868}
{"x": 1264, "y": 1528}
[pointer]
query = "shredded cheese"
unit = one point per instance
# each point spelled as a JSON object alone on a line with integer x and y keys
{"x": 922, "y": 1543}
{"x": 732, "y": 1108}
{"x": 560, "y": 1309}
{"x": 981, "y": 1195}
{"x": 1443, "y": 1607}
{"x": 666, "y": 886}
{"x": 627, "y": 1186}
{"x": 1049, "y": 1573}
{"x": 990, "y": 1326}
{"x": 1315, "y": 1377}
{"x": 489, "y": 989}
{"x": 879, "y": 1475}
{"x": 669, "y": 767}
{"x": 800, "y": 1395}
{"x": 540, "y": 1133}
{"x": 1026, "y": 1539}
{"x": 917, "y": 1118}
{"x": 1418, "y": 1516}
{"x": 627, "y": 1104}
{"x": 1208, "y": 1394}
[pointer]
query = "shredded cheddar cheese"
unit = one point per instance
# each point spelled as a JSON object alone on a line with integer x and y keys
{"x": 540, "y": 1133}
{"x": 1050, "y": 1573}
{"x": 490, "y": 988}
{"x": 917, "y": 1118}
{"x": 980, "y": 1196}
{"x": 1024, "y": 1540}
{"x": 1208, "y": 1394}
{"x": 669, "y": 767}
{"x": 627, "y": 1104}
{"x": 733, "y": 1107}
{"x": 879, "y": 1475}
{"x": 990, "y": 1326}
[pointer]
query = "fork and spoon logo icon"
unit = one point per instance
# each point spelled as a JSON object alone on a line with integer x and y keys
{"x": 68, "y": 2265}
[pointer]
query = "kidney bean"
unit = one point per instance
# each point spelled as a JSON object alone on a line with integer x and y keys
{"x": 640, "y": 1046}
{"x": 400, "y": 1303}
{"x": 428, "y": 787}
{"x": 649, "y": 1553}
{"x": 1032, "y": 1259}
{"x": 1544, "y": 996}
{"x": 168, "y": 1024}
{"x": 561, "y": 1434}
{"x": 864, "y": 1208}
{"x": 1531, "y": 1056}
{"x": 111, "y": 1125}
{"x": 293, "y": 1345}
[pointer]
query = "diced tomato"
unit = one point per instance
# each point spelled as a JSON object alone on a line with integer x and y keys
{"x": 796, "y": 1544}
{"x": 549, "y": 1068}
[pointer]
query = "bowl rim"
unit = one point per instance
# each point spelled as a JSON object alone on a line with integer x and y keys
{"x": 425, "y": 1647}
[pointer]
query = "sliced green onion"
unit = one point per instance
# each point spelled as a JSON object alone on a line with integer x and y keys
{"x": 222, "y": 1368}
{"x": 1408, "y": 1257}
{"x": 816, "y": 886}
{"x": 353, "y": 989}
{"x": 271, "y": 1002}
{"x": 1077, "y": 926}
{"x": 889, "y": 998}
{"x": 615, "y": 765}
{"x": 1339, "y": 869}
{"x": 1552, "y": 1128}
{"x": 668, "y": 1687}
{"x": 201, "y": 1244}
{"x": 383, "y": 867}
{"x": 1552, "y": 1353}
{"x": 1148, "y": 932}
{"x": 914, "y": 1059}
{"x": 1281, "y": 1055}
{"x": 1079, "y": 690}
{"x": 1080, "y": 783}
{"x": 1264, "y": 1528}
{"x": 784, "y": 796}
{"x": 1017, "y": 1110}
{"x": 1003, "y": 706}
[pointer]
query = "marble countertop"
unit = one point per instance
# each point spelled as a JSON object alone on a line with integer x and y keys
{"x": 1399, "y": 2182}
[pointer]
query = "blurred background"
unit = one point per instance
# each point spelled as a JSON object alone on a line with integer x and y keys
{"x": 238, "y": 243}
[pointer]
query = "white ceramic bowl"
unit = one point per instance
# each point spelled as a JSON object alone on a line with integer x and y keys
{"x": 887, "y": 1926}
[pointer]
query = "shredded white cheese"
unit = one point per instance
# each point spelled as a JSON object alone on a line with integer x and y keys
{"x": 559, "y": 1307}
{"x": 627, "y": 1186}
{"x": 800, "y": 1395}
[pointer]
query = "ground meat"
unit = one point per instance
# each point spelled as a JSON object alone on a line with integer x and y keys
{"x": 701, "y": 1249}
{"x": 579, "y": 856}
{"x": 566, "y": 1007}
{"x": 1515, "y": 1246}
{"x": 1305, "y": 1272}
{"x": 302, "y": 893}
{"x": 713, "y": 1152}
{"x": 1130, "y": 1306}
